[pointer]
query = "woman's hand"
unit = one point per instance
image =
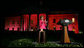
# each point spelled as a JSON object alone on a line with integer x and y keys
{"x": 45, "y": 21}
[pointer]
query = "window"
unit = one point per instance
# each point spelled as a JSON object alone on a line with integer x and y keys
{"x": 73, "y": 20}
{"x": 54, "y": 21}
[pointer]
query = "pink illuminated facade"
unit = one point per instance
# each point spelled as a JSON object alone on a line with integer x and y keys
{"x": 33, "y": 21}
{"x": 57, "y": 17}
{"x": 27, "y": 22}
{"x": 12, "y": 23}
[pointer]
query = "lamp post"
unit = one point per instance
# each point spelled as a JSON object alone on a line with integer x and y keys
{"x": 65, "y": 23}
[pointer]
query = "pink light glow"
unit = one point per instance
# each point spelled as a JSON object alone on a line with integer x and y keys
{"x": 11, "y": 26}
{"x": 57, "y": 17}
{"x": 33, "y": 21}
{"x": 33, "y": 17}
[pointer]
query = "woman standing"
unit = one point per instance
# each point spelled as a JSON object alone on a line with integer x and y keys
{"x": 42, "y": 25}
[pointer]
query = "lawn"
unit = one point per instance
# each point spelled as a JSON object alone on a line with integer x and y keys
{"x": 30, "y": 43}
{"x": 29, "y": 39}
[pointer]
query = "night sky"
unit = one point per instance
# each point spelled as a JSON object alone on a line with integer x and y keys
{"x": 17, "y": 8}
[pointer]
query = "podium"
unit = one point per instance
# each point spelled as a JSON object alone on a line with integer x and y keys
{"x": 40, "y": 33}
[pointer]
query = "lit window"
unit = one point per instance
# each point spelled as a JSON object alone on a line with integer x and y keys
{"x": 73, "y": 20}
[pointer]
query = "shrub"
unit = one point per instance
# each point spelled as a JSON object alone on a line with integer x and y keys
{"x": 21, "y": 43}
{"x": 57, "y": 45}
